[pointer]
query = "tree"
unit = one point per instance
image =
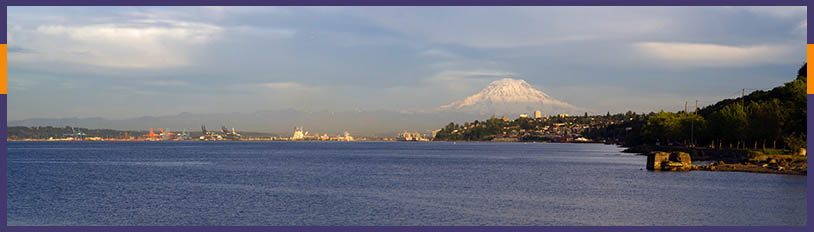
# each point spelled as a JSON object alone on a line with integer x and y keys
{"x": 663, "y": 126}
{"x": 692, "y": 127}
{"x": 730, "y": 123}
{"x": 802, "y": 71}
{"x": 766, "y": 121}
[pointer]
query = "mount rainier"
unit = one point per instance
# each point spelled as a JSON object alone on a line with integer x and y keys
{"x": 510, "y": 96}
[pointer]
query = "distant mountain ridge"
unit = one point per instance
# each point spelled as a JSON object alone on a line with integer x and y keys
{"x": 380, "y": 123}
{"x": 510, "y": 96}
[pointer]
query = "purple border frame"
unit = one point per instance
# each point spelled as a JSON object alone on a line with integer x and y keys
{"x": 4, "y": 104}
{"x": 410, "y": 2}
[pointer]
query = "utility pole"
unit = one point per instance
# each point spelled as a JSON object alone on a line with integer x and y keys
{"x": 743, "y": 106}
{"x": 692, "y": 126}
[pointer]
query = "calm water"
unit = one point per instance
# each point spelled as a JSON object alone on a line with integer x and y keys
{"x": 378, "y": 183}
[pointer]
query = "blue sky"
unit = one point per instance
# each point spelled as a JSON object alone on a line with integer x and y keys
{"x": 123, "y": 62}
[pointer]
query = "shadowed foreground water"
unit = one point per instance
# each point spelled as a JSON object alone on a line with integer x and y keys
{"x": 378, "y": 183}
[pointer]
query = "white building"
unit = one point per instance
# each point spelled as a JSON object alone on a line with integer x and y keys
{"x": 298, "y": 134}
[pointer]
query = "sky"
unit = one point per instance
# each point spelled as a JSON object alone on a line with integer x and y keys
{"x": 125, "y": 62}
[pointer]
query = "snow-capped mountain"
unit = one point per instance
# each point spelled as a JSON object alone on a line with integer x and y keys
{"x": 510, "y": 96}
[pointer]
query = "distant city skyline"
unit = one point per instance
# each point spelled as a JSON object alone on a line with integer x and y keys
{"x": 127, "y": 62}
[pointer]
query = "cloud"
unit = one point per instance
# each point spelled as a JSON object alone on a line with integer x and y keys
{"x": 170, "y": 83}
{"x": 462, "y": 75}
{"x": 263, "y": 32}
{"x": 285, "y": 88}
{"x": 16, "y": 49}
{"x": 457, "y": 77}
{"x": 513, "y": 27}
{"x": 407, "y": 58}
{"x": 777, "y": 11}
{"x": 712, "y": 55}
{"x": 139, "y": 43}
{"x": 438, "y": 53}
{"x": 802, "y": 28}
{"x": 463, "y": 82}
{"x": 283, "y": 85}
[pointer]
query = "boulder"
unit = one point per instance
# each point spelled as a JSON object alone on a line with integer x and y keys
{"x": 674, "y": 161}
{"x": 655, "y": 159}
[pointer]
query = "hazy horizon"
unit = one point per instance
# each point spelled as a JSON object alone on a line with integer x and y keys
{"x": 128, "y": 62}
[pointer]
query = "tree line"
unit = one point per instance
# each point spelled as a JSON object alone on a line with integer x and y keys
{"x": 763, "y": 119}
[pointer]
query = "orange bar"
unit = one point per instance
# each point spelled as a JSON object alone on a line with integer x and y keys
{"x": 4, "y": 70}
{"x": 810, "y": 53}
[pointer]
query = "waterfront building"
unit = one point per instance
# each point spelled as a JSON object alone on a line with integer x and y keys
{"x": 298, "y": 134}
{"x": 407, "y": 136}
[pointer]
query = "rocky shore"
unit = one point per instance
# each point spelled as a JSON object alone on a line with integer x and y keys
{"x": 722, "y": 160}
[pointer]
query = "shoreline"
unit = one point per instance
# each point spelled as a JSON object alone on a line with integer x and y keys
{"x": 722, "y": 160}
{"x": 755, "y": 169}
{"x": 725, "y": 160}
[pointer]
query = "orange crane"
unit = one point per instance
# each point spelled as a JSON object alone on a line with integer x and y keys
{"x": 165, "y": 135}
{"x": 152, "y": 135}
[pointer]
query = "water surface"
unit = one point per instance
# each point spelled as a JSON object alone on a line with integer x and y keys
{"x": 378, "y": 183}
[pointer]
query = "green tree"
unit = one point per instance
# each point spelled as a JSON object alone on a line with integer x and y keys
{"x": 663, "y": 127}
{"x": 766, "y": 121}
{"x": 730, "y": 123}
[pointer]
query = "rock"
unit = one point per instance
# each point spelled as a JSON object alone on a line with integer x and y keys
{"x": 669, "y": 161}
{"x": 655, "y": 159}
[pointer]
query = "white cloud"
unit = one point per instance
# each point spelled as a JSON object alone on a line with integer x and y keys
{"x": 712, "y": 55}
{"x": 140, "y": 43}
{"x": 777, "y": 11}
{"x": 283, "y": 85}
